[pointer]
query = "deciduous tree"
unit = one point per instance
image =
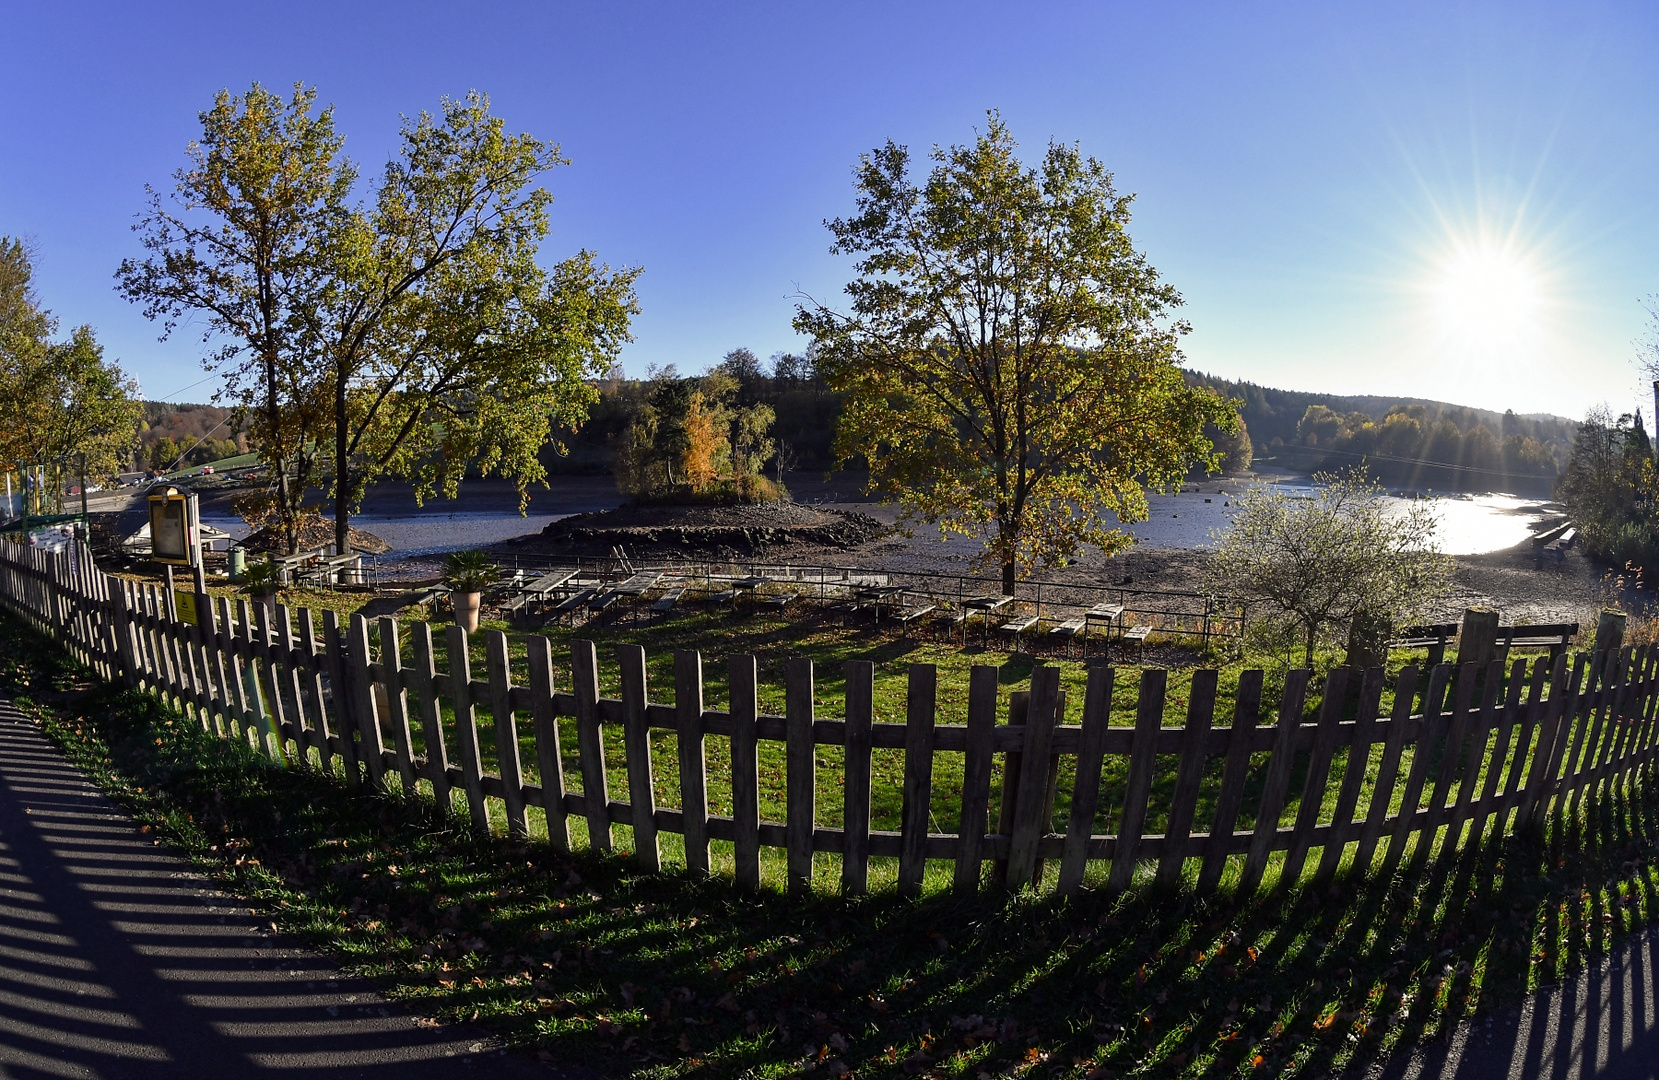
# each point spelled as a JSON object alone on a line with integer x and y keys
{"x": 1307, "y": 566}
{"x": 57, "y": 398}
{"x": 1010, "y": 361}
{"x": 245, "y": 240}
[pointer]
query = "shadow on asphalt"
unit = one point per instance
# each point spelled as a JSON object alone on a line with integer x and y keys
{"x": 1602, "y": 1024}
{"x": 117, "y": 960}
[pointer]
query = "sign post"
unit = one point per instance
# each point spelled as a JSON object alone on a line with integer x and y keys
{"x": 175, "y": 529}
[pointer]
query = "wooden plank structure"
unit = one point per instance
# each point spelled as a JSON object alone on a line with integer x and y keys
{"x": 1339, "y": 777}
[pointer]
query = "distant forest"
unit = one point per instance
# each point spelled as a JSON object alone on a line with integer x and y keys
{"x": 1406, "y": 442}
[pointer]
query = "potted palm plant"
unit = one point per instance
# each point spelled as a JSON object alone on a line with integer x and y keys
{"x": 260, "y": 580}
{"x": 468, "y": 574}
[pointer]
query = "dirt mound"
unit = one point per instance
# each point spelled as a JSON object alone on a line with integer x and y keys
{"x": 719, "y": 531}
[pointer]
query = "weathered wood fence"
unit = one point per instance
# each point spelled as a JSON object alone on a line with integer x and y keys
{"x": 1488, "y": 749}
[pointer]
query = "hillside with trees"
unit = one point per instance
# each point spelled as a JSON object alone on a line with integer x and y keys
{"x": 1405, "y": 442}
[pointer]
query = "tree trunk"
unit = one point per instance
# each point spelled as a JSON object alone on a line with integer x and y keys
{"x": 1312, "y": 632}
{"x": 342, "y": 474}
{"x": 1008, "y": 577}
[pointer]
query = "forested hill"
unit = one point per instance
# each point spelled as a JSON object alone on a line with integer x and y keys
{"x": 1409, "y": 441}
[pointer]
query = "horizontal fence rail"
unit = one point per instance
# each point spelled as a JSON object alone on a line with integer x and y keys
{"x": 1251, "y": 790}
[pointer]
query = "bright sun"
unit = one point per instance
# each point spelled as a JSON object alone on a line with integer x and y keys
{"x": 1487, "y": 299}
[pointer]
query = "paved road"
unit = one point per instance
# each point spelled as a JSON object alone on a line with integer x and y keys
{"x": 118, "y": 961}
{"x": 1603, "y": 1024}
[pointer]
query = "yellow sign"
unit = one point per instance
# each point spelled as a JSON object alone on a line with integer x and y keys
{"x": 186, "y": 604}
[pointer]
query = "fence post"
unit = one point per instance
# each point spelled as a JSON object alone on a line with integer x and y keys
{"x": 1025, "y": 844}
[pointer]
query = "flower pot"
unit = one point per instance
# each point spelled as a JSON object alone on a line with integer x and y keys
{"x": 466, "y": 606}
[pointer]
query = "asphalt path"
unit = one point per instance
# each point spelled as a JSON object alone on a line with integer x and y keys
{"x": 117, "y": 960}
{"x": 1603, "y": 1023}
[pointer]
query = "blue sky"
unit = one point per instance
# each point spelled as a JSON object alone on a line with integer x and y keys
{"x": 1449, "y": 201}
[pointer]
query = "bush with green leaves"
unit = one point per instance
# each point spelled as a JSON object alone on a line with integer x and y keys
{"x": 1304, "y": 567}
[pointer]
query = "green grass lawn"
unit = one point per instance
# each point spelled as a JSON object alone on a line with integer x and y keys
{"x": 582, "y": 959}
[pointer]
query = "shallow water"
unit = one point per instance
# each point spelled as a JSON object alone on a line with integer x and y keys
{"x": 1469, "y": 524}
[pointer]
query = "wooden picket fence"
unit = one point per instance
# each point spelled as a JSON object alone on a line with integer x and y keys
{"x": 1490, "y": 749}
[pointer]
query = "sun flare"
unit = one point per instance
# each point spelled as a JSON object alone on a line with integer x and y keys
{"x": 1487, "y": 297}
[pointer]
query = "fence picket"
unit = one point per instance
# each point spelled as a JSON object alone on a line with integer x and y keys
{"x": 688, "y": 727}
{"x": 920, "y": 701}
{"x": 1388, "y": 769}
{"x": 499, "y": 659}
{"x": 1354, "y": 767}
{"x": 590, "y": 743}
{"x": 983, "y": 691}
{"x": 1240, "y": 736}
{"x": 466, "y": 725}
{"x": 339, "y": 694}
{"x": 855, "y": 819}
{"x": 1278, "y": 779}
{"x": 744, "y": 708}
{"x": 1195, "y": 755}
{"x": 397, "y": 701}
{"x": 1434, "y": 722}
{"x": 636, "y": 746}
{"x": 800, "y": 773}
{"x": 1319, "y": 772}
{"x": 549, "y": 759}
{"x": 1091, "y": 753}
{"x": 1143, "y": 752}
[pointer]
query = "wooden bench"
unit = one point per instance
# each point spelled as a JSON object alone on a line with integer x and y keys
{"x": 573, "y": 603}
{"x": 1068, "y": 630}
{"x": 1138, "y": 635}
{"x": 604, "y": 601}
{"x": 1552, "y": 636}
{"x": 724, "y": 596}
{"x": 1016, "y": 627}
{"x": 1434, "y": 638}
{"x": 668, "y": 600}
{"x": 776, "y": 601}
{"x": 908, "y": 615}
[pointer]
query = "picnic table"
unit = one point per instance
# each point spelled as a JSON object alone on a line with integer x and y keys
{"x": 877, "y": 596}
{"x": 638, "y": 585}
{"x": 538, "y": 590}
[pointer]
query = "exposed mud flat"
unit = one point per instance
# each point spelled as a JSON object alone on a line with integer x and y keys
{"x": 694, "y": 532}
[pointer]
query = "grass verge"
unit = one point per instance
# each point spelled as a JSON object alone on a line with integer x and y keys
{"x": 582, "y": 960}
